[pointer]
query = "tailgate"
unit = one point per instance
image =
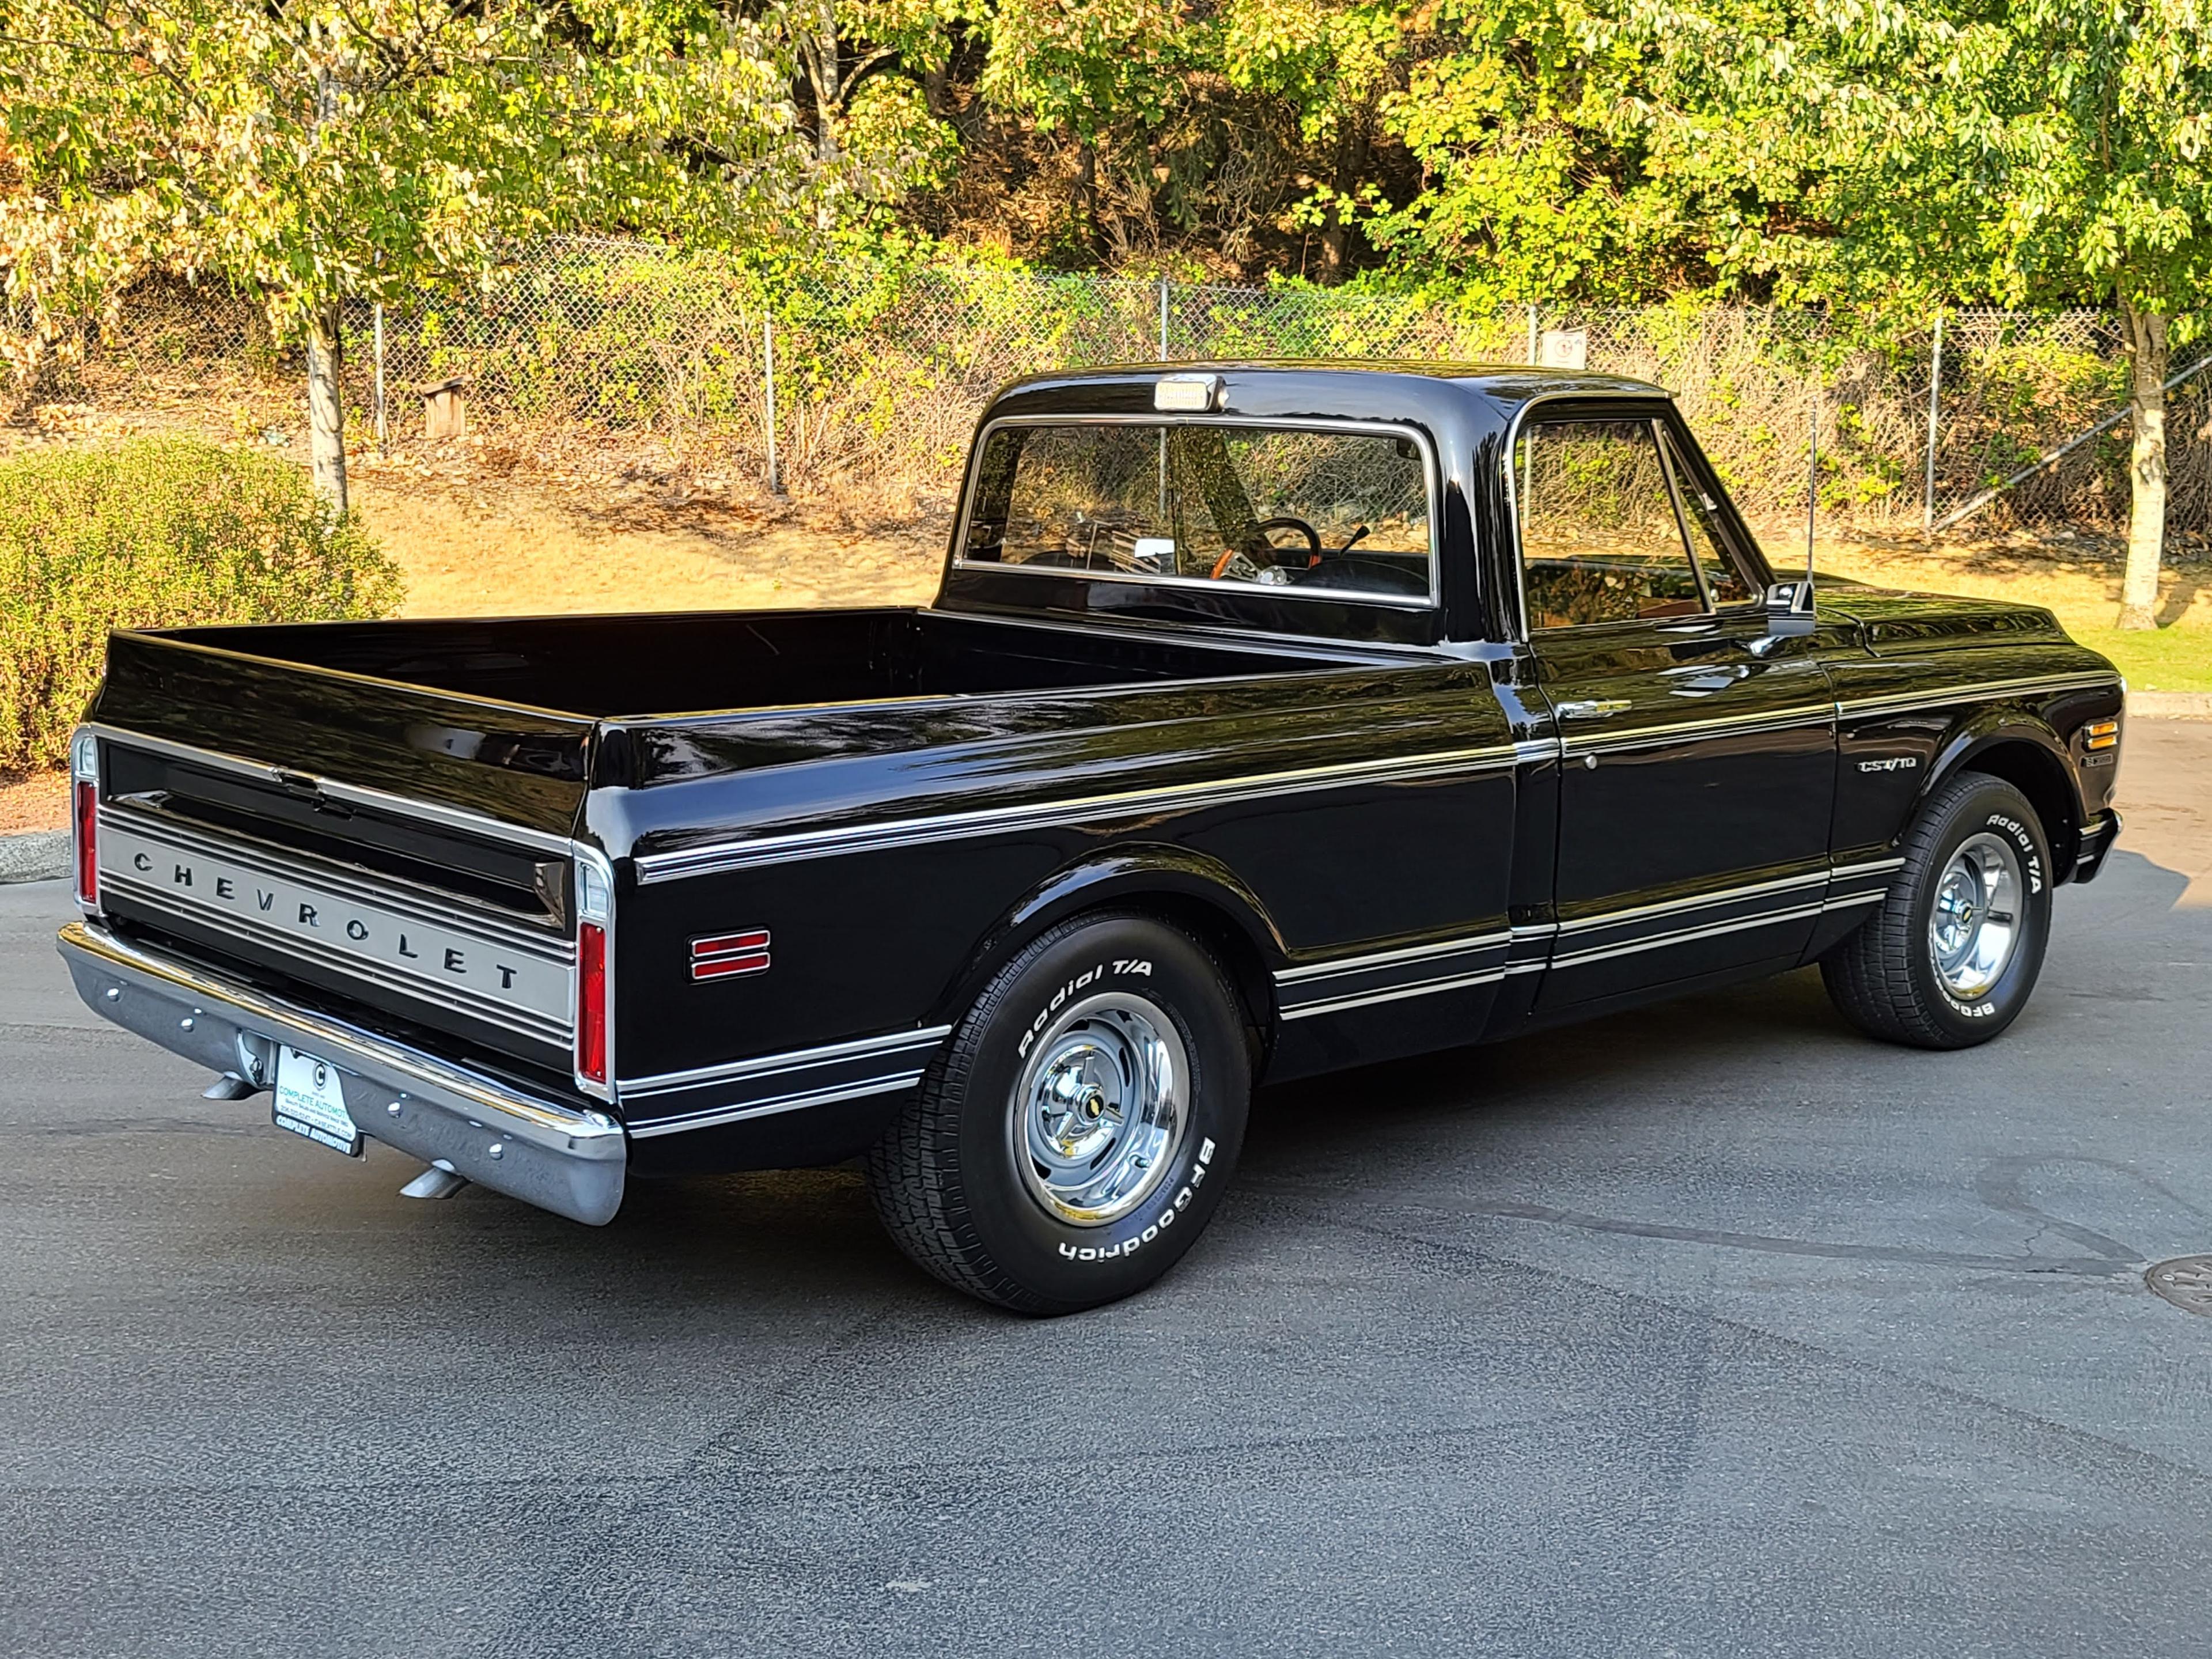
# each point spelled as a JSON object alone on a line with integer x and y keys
{"x": 403, "y": 850}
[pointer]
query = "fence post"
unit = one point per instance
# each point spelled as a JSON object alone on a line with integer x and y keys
{"x": 1935, "y": 394}
{"x": 1532, "y": 336}
{"x": 1812, "y": 472}
{"x": 775, "y": 463}
{"x": 382, "y": 436}
{"x": 1164, "y": 320}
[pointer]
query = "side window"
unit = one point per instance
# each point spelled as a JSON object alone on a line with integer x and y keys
{"x": 1288, "y": 508}
{"x": 1725, "y": 583}
{"x": 1600, "y": 539}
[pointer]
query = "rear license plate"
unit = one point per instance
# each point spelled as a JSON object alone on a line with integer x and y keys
{"x": 311, "y": 1102}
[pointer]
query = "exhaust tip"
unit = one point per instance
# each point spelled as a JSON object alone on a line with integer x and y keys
{"x": 439, "y": 1181}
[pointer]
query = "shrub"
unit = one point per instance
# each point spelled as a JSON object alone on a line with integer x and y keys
{"x": 155, "y": 532}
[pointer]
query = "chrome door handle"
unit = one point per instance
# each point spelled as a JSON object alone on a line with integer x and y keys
{"x": 1591, "y": 708}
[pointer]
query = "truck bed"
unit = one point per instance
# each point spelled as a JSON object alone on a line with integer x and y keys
{"x": 632, "y": 666}
{"x": 438, "y": 769}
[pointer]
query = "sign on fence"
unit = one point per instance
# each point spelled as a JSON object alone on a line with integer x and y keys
{"x": 1564, "y": 347}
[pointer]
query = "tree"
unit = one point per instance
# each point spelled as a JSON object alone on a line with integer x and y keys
{"x": 313, "y": 150}
{"x": 840, "y": 49}
{"x": 1091, "y": 69}
{"x": 1332, "y": 64}
{"x": 2100, "y": 115}
{"x": 1608, "y": 149}
{"x": 2043, "y": 153}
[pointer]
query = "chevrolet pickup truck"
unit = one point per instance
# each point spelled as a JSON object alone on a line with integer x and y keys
{"x": 1270, "y": 720}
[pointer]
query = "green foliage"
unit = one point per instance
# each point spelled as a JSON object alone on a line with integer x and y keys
{"x": 155, "y": 532}
{"x": 2037, "y": 153}
{"x": 306, "y": 150}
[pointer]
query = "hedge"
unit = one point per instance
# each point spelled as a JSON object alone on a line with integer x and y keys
{"x": 155, "y": 532}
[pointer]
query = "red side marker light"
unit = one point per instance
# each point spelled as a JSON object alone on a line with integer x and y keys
{"x": 720, "y": 955}
{"x": 591, "y": 1002}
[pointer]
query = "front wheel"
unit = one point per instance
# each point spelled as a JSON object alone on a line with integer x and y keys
{"x": 1074, "y": 1136}
{"x": 1950, "y": 958}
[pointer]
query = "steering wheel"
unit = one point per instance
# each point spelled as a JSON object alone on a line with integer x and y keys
{"x": 1226, "y": 564}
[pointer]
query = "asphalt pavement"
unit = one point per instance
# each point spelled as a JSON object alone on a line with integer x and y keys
{"x": 1713, "y": 1328}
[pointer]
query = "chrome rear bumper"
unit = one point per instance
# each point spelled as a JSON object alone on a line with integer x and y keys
{"x": 564, "y": 1158}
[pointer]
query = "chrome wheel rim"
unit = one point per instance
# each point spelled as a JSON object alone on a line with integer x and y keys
{"x": 1101, "y": 1109}
{"x": 1975, "y": 926}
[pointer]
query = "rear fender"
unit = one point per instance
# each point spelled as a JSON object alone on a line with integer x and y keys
{"x": 1185, "y": 889}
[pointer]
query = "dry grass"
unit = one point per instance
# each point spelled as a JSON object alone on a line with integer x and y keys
{"x": 38, "y": 802}
{"x": 527, "y": 549}
{"x": 2076, "y": 573}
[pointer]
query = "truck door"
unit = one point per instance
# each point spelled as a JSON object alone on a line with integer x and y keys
{"x": 1697, "y": 752}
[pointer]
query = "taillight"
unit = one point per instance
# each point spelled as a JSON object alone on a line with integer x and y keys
{"x": 84, "y": 801}
{"x": 591, "y": 1002}
{"x": 88, "y": 844}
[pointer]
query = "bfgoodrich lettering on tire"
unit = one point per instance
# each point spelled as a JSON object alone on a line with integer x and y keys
{"x": 1950, "y": 958}
{"x": 1075, "y": 1134}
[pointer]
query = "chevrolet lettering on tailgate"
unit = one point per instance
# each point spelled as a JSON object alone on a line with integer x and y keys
{"x": 439, "y": 956}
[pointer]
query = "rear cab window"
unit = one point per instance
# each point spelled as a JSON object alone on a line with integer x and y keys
{"x": 1294, "y": 509}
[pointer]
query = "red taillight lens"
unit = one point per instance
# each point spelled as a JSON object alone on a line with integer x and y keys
{"x": 88, "y": 841}
{"x": 591, "y": 1002}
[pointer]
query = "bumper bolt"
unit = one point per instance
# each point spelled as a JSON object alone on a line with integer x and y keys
{"x": 392, "y": 1110}
{"x": 497, "y": 1150}
{"x": 185, "y": 1023}
{"x": 115, "y": 994}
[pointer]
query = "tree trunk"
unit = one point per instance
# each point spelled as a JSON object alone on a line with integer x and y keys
{"x": 1086, "y": 195}
{"x": 2147, "y": 362}
{"x": 326, "y": 413}
{"x": 1335, "y": 243}
{"x": 821, "y": 58}
{"x": 1351, "y": 151}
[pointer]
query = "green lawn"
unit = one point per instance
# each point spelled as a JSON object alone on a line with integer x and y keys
{"x": 2163, "y": 659}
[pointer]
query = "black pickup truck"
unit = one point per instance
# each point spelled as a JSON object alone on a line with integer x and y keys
{"x": 1270, "y": 718}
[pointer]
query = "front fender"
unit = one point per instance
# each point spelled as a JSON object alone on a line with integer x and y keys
{"x": 2024, "y": 749}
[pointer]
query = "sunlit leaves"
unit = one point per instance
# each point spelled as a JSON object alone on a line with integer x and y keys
{"x": 317, "y": 148}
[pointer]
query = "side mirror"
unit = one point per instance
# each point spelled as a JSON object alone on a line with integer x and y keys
{"x": 1790, "y": 609}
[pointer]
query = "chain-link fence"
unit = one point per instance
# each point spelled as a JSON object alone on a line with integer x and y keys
{"x": 868, "y": 380}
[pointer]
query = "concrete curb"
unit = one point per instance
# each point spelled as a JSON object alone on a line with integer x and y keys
{"x": 2170, "y": 705}
{"x": 41, "y": 855}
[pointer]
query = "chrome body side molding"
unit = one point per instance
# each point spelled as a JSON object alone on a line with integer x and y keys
{"x": 778, "y": 848}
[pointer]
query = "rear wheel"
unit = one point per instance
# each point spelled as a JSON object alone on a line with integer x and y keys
{"x": 1074, "y": 1136}
{"x": 1950, "y": 957}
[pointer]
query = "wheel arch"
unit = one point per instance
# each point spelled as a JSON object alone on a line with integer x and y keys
{"x": 2028, "y": 754}
{"x": 1186, "y": 889}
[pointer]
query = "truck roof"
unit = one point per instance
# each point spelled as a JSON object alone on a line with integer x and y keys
{"x": 1504, "y": 386}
